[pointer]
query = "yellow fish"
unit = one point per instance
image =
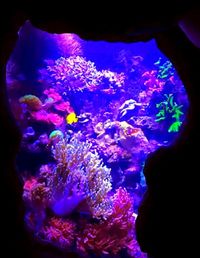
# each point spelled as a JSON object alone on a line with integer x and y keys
{"x": 71, "y": 118}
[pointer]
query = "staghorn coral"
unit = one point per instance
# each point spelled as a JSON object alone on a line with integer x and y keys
{"x": 115, "y": 233}
{"x": 72, "y": 73}
{"x": 75, "y": 73}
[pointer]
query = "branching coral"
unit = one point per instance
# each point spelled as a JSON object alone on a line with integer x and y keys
{"x": 113, "y": 234}
{"x": 165, "y": 69}
{"x": 75, "y": 73}
{"x": 78, "y": 176}
{"x": 151, "y": 82}
{"x": 72, "y": 73}
{"x": 171, "y": 110}
{"x": 80, "y": 173}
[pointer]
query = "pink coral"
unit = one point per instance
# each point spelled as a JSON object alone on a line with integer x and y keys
{"x": 75, "y": 73}
{"x": 60, "y": 232}
{"x": 152, "y": 82}
{"x": 123, "y": 208}
{"x": 113, "y": 234}
{"x": 41, "y": 116}
{"x": 30, "y": 183}
{"x": 52, "y": 93}
{"x": 64, "y": 106}
{"x": 134, "y": 250}
{"x": 55, "y": 119}
{"x": 57, "y": 101}
{"x": 36, "y": 193}
{"x": 49, "y": 118}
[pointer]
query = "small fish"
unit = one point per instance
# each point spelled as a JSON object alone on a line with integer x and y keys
{"x": 71, "y": 118}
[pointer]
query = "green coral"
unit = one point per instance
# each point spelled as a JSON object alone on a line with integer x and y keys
{"x": 165, "y": 70}
{"x": 174, "y": 127}
{"x": 170, "y": 109}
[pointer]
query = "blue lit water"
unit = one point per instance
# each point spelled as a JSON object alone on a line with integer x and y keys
{"x": 89, "y": 113}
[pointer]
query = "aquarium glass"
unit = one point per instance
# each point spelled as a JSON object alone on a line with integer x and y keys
{"x": 90, "y": 113}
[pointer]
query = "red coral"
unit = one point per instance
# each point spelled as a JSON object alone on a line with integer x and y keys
{"x": 60, "y": 232}
{"x": 114, "y": 234}
{"x": 29, "y": 184}
{"x": 36, "y": 193}
{"x": 122, "y": 209}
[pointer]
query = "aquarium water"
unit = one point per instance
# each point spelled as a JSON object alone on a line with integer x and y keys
{"x": 90, "y": 113}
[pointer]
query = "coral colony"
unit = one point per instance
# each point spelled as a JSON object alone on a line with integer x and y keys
{"x": 87, "y": 127}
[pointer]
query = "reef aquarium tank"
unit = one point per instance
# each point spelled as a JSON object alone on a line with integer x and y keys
{"x": 89, "y": 112}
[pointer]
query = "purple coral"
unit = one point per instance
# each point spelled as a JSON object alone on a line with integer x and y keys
{"x": 75, "y": 73}
{"x": 72, "y": 74}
